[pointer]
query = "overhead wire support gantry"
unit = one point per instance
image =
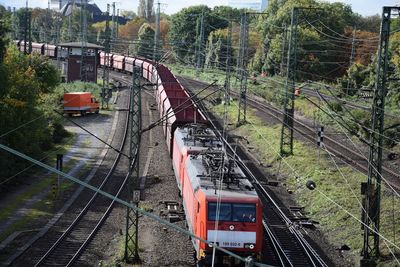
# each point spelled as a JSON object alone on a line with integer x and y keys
{"x": 157, "y": 43}
{"x": 83, "y": 17}
{"x": 242, "y": 66}
{"x": 131, "y": 254}
{"x": 106, "y": 63}
{"x": 372, "y": 188}
{"x": 286, "y": 144}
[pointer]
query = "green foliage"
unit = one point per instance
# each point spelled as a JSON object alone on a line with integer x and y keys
{"x": 357, "y": 77}
{"x": 4, "y": 28}
{"x": 185, "y": 29}
{"x": 70, "y": 32}
{"x": 314, "y": 58}
{"x": 372, "y": 23}
{"x": 79, "y": 86}
{"x": 26, "y": 109}
{"x": 146, "y": 41}
{"x": 217, "y": 50}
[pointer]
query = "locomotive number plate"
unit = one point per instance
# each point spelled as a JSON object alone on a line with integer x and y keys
{"x": 232, "y": 244}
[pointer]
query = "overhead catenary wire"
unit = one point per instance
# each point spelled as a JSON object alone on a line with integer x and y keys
{"x": 123, "y": 202}
{"x": 300, "y": 176}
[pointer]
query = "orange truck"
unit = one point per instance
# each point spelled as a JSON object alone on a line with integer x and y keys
{"x": 80, "y": 103}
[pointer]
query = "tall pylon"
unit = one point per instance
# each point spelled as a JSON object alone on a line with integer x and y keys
{"x": 83, "y": 71}
{"x": 283, "y": 49}
{"x": 351, "y": 57}
{"x": 242, "y": 67}
{"x": 26, "y": 27}
{"x": 286, "y": 145}
{"x": 113, "y": 28}
{"x": 132, "y": 216}
{"x": 227, "y": 96}
{"x": 106, "y": 65}
{"x": 200, "y": 45}
{"x": 371, "y": 190}
{"x": 156, "y": 53}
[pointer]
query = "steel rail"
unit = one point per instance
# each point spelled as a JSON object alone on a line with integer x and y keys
{"x": 313, "y": 256}
{"x": 336, "y": 152}
{"x": 89, "y": 204}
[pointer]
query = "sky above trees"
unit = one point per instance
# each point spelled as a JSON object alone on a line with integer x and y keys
{"x": 363, "y": 7}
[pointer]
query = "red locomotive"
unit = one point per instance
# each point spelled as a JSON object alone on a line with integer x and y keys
{"x": 220, "y": 204}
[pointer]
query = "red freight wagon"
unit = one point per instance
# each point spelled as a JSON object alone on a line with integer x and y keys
{"x": 50, "y": 50}
{"x": 161, "y": 93}
{"x": 38, "y": 48}
{"x": 146, "y": 70}
{"x": 118, "y": 62}
{"x": 129, "y": 63}
{"x": 106, "y": 61}
{"x": 188, "y": 113}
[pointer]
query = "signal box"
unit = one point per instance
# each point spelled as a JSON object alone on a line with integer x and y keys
{"x": 88, "y": 61}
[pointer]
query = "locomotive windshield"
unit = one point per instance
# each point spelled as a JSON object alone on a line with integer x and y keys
{"x": 234, "y": 212}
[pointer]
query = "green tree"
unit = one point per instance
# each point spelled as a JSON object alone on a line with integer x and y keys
{"x": 185, "y": 29}
{"x": 317, "y": 56}
{"x": 146, "y": 40}
{"x": 29, "y": 79}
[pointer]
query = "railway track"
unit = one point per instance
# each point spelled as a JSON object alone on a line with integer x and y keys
{"x": 68, "y": 239}
{"x": 338, "y": 149}
{"x": 305, "y": 131}
{"x": 285, "y": 244}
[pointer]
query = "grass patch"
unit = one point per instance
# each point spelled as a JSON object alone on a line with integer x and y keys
{"x": 334, "y": 192}
{"x": 335, "y": 187}
{"x": 42, "y": 207}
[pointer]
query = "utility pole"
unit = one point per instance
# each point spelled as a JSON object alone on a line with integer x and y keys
{"x": 242, "y": 67}
{"x": 70, "y": 21}
{"x": 106, "y": 68}
{"x": 117, "y": 26}
{"x": 200, "y": 51}
{"x": 83, "y": 72}
{"x": 228, "y": 66}
{"x": 14, "y": 27}
{"x": 30, "y": 31}
{"x": 113, "y": 22}
{"x": 286, "y": 145}
{"x": 351, "y": 58}
{"x": 26, "y": 27}
{"x": 372, "y": 189}
{"x": 132, "y": 216}
{"x": 284, "y": 37}
{"x": 157, "y": 34}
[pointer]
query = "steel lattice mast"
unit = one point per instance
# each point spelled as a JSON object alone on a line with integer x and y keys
{"x": 132, "y": 216}
{"x": 286, "y": 146}
{"x": 372, "y": 189}
{"x": 83, "y": 71}
{"x": 242, "y": 67}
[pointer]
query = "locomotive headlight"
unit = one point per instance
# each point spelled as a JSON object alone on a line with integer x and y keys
{"x": 249, "y": 246}
{"x": 211, "y": 244}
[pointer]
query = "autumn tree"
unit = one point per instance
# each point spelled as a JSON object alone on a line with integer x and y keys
{"x": 130, "y": 30}
{"x": 29, "y": 80}
{"x": 144, "y": 48}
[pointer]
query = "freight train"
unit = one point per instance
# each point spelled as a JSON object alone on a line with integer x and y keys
{"x": 220, "y": 204}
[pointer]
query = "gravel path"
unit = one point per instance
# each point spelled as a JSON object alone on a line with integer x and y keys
{"x": 84, "y": 154}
